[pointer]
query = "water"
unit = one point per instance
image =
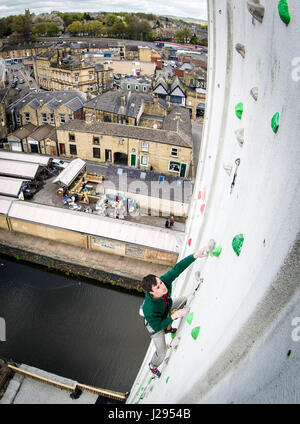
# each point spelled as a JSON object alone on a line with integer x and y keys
{"x": 86, "y": 332}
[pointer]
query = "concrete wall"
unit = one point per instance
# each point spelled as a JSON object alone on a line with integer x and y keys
{"x": 51, "y": 233}
{"x": 101, "y": 244}
{"x": 248, "y": 306}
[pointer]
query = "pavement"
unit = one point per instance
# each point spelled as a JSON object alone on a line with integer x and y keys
{"x": 101, "y": 262}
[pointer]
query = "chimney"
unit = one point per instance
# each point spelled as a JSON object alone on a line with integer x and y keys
{"x": 123, "y": 99}
{"x": 89, "y": 117}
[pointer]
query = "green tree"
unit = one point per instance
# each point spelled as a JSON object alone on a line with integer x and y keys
{"x": 21, "y": 24}
{"x": 75, "y": 27}
{"x": 118, "y": 29}
{"x": 94, "y": 28}
{"x": 194, "y": 39}
{"x": 5, "y": 26}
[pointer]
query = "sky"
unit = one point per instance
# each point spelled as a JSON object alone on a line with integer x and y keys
{"x": 183, "y": 8}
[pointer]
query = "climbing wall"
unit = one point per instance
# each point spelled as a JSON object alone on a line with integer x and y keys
{"x": 241, "y": 340}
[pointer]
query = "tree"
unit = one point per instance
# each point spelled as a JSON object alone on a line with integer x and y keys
{"x": 118, "y": 29}
{"x": 94, "y": 28}
{"x": 75, "y": 27}
{"x": 21, "y": 24}
{"x": 5, "y": 26}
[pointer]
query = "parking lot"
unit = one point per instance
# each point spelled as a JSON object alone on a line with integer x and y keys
{"x": 47, "y": 192}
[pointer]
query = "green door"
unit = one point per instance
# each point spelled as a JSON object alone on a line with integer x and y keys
{"x": 133, "y": 160}
{"x": 182, "y": 169}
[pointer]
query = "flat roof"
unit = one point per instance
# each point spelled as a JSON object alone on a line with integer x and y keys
{"x": 26, "y": 157}
{"x": 68, "y": 175}
{"x": 10, "y": 186}
{"x": 5, "y": 203}
{"x": 99, "y": 226}
{"x": 18, "y": 169}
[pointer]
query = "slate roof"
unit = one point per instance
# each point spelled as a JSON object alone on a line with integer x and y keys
{"x": 111, "y": 102}
{"x": 129, "y": 131}
{"x": 72, "y": 99}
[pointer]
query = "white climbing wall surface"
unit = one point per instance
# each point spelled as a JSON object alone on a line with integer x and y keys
{"x": 241, "y": 342}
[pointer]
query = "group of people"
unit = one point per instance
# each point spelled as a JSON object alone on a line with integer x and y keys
{"x": 169, "y": 222}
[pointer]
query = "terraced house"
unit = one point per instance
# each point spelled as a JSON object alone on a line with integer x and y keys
{"x": 44, "y": 110}
{"x": 130, "y": 108}
{"x": 166, "y": 150}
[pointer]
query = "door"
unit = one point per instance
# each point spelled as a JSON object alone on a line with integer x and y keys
{"x": 34, "y": 148}
{"x": 62, "y": 148}
{"x": 133, "y": 160}
{"x": 107, "y": 155}
{"x": 182, "y": 169}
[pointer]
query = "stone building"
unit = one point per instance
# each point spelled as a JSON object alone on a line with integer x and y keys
{"x": 125, "y": 107}
{"x": 54, "y": 72}
{"x": 167, "y": 150}
{"x": 54, "y": 108}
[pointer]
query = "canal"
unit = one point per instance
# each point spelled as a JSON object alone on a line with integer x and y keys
{"x": 84, "y": 331}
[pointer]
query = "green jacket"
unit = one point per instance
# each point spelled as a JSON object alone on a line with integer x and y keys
{"x": 155, "y": 309}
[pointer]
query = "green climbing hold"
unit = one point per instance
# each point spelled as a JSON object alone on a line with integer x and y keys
{"x": 195, "y": 332}
{"x": 283, "y": 10}
{"x": 167, "y": 380}
{"x": 275, "y": 122}
{"x": 217, "y": 251}
{"x": 239, "y": 110}
{"x": 190, "y": 317}
{"x": 237, "y": 243}
{"x": 173, "y": 335}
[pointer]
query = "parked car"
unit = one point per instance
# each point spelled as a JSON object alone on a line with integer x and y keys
{"x": 21, "y": 81}
{"x": 13, "y": 85}
{"x": 59, "y": 164}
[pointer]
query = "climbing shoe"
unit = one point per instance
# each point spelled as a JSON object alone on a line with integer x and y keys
{"x": 172, "y": 330}
{"x": 155, "y": 371}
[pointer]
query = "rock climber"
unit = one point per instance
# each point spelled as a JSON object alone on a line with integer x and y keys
{"x": 158, "y": 307}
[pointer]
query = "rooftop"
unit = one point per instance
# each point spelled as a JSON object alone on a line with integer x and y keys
{"x": 129, "y": 131}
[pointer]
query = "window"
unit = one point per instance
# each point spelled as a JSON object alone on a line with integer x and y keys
{"x": 70, "y": 117}
{"x": 137, "y": 87}
{"x": 73, "y": 149}
{"x": 44, "y": 118}
{"x": 121, "y": 141}
{"x": 76, "y": 77}
{"x": 128, "y": 86}
{"x": 71, "y": 137}
{"x": 62, "y": 119}
{"x": 27, "y": 117}
{"x": 91, "y": 87}
{"x": 18, "y": 119}
{"x": 51, "y": 118}
{"x": 96, "y": 140}
{"x": 174, "y": 152}
{"x": 90, "y": 75}
{"x": 96, "y": 152}
{"x": 144, "y": 160}
{"x": 174, "y": 166}
{"x": 145, "y": 147}
{"x": 144, "y": 88}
